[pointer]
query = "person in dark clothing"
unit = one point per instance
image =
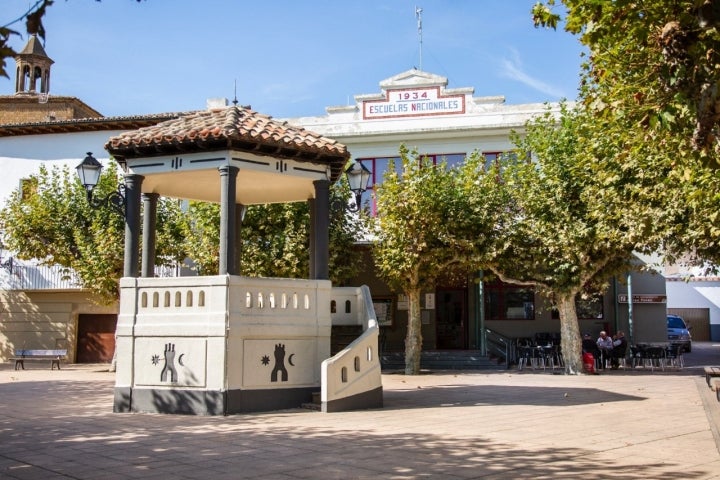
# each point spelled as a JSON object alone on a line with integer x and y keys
{"x": 619, "y": 349}
{"x": 589, "y": 346}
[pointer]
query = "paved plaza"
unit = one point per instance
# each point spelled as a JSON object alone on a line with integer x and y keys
{"x": 450, "y": 425}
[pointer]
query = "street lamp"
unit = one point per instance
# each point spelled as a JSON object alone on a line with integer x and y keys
{"x": 89, "y": 173}
{"x": 358, "y": 177}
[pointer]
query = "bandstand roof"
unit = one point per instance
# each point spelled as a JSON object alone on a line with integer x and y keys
{"x": 277, "y": 161}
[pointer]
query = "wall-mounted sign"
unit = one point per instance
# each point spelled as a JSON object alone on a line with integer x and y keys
{"x": 642, "y": 298}
{"x": 383, "y": 311}
{"x": 402, "y": 302}
{"x": 430, "y": 301}
{"x": 413, "y": 102}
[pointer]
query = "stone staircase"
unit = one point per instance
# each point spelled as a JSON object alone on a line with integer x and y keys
{"x": 342, "y": 335}
{"x": 444, "y": 360}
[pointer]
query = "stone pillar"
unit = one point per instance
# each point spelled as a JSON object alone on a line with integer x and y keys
{"x": 321, "y": 234}
{"x": 313, "y": 227}
{"x": 228, "y": 181}
{"x": 149, "y": 233}
{"x": 133, "y": 187}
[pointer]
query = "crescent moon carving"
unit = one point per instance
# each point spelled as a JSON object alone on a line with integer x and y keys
{"x": 180, "y": 360}
{"x": 290, "y": 359}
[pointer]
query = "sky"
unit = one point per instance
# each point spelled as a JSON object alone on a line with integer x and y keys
{"x": 291, "y": 58}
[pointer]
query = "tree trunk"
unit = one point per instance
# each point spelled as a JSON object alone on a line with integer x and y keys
{"x": 413, "y": 340}
{"x": 570, "y": 334}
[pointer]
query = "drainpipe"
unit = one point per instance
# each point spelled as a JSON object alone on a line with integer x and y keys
{"x": 480, "y": 337}
{"x": 630, "y": 308}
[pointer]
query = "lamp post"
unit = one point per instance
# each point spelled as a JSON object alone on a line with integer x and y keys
{"x": 358, "y": 177}
{"x": 89, "y": 171}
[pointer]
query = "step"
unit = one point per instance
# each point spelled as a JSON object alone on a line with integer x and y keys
{"x": 444, "y": 360}
{"x": 314, "y": 404}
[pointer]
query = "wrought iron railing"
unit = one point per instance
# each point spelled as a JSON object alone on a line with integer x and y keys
{"x": 18, "y": 275}
{"x": 501, "y": 346}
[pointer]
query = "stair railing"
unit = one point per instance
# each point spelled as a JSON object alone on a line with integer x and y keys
{"x": 501, "y": 346}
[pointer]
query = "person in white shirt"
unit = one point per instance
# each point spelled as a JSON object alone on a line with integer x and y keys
{"x": 605, "y": 344}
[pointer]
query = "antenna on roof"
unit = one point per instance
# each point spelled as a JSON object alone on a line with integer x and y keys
{"x": 418, "y": 15}
{"x": 235, "y": 100}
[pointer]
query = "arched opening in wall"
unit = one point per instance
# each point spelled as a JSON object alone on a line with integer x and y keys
{"x": 25, "y": 78}
{"x": 37, "y": 79}
{"x": 95, "y": 338}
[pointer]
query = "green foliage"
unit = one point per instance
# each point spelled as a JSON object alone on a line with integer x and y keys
{"x": 652, "y": 80}
{"x": 275, "y": 239}
{"x": 656, "y": 63}
{"x": 562, "y": 233}
{"x": 426, "y": 225}
{"x": 50, "y": 219}
{"x": 53, "y": 222}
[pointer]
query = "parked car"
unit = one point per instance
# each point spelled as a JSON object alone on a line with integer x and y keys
{"x": 678, "y": 332}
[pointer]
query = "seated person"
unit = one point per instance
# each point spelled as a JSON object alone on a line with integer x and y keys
{"x": 605, "y": 345}
{"x": 589, "y": 346}
{"x": 619, "y": 349}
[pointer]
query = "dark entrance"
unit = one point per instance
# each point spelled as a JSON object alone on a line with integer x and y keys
{"x": 96, "y": 338}
{"x": 450, "y": 319}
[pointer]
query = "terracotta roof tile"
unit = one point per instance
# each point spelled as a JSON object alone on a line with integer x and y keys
{"x": 233, "y": 127}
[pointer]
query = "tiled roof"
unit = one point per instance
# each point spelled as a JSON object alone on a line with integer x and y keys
{"x": 237, "y": 128}
{"x": 84, "y": 124}
{"x": 34, "y": 47}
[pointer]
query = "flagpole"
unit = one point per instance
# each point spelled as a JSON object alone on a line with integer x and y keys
{"x": 418, "y": 15}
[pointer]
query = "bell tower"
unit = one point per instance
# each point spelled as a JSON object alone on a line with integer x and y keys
{"x": 33, "y": 69}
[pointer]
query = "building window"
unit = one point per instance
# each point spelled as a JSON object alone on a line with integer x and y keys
{"x": 504, "y": 301}
{"x": 28, "y": 188}
{"x": 492, "y": 158}
{"x": 378, "y": 167}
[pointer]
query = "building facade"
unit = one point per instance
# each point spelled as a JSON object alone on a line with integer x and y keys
{"x": 414, "y": 108}
{"x": 419, "y": 110}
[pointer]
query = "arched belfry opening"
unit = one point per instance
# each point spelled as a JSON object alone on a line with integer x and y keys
{"x": 243, "y": 346}
{"x": 32, "y": 69}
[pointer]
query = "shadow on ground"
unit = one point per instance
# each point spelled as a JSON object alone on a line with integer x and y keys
{"x": 87, "y": 441}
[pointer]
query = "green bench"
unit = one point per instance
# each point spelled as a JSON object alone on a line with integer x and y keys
{"x": 53, "y": 355}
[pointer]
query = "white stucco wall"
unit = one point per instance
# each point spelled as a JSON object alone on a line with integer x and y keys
{"x": 696, "y": 294}
{"x": 22, "y": 156}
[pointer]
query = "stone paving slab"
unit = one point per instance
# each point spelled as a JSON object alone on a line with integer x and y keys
{"x": 449, "y": 425}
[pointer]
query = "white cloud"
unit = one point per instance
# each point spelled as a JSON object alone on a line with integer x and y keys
{"x": 512, "y": 68}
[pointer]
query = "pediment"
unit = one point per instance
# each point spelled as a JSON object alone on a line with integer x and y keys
{"x": 413, "y": 78}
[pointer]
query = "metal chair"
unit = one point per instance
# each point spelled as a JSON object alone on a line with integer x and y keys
{"x": 655, "y": 356}
{"x": 674, "y": 356}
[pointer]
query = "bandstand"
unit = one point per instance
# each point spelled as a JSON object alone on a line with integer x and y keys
{"x": 226, "y": 344}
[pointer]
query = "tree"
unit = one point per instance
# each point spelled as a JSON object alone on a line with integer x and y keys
{"x": 425, "y": 217}
{"x": 653, "y": 79}
{"x": 656, "y": 59}
{"x": 50, "y": 219}
{"x": 559, "y": 234}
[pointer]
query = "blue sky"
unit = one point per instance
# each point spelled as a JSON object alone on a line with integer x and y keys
{"x": 291, "y": 58}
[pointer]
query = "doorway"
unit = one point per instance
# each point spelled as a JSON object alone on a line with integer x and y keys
{"x": 450, "y": 319}
{"x": 96, "y": 338}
